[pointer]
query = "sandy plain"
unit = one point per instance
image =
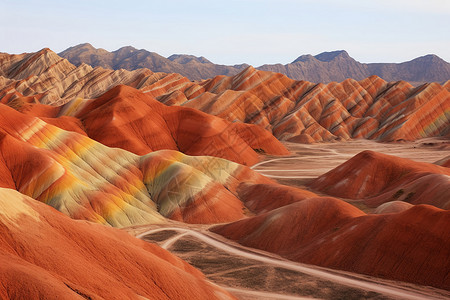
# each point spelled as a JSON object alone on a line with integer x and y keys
{"x": 308, "y": 161}
{"x": 255, "y": 274}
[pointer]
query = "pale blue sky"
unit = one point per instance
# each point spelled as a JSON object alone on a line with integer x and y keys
{"x": 231, "y": 31}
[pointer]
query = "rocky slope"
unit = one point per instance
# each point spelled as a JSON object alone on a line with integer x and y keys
{"x": 325, "y": 67}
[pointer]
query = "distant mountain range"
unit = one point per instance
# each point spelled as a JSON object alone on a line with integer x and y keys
{"x": 129, "y": 58}
{"x": 325, "y": 67}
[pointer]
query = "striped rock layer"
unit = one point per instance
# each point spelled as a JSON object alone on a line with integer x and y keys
{"x": 88, "y": 180}
{"x": 302, "y": 111}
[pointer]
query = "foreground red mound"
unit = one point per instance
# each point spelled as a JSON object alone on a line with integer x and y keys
{"x": 380, "y": 178}
{"x": 46, "y": 255}
{"x": 410, "y": 246}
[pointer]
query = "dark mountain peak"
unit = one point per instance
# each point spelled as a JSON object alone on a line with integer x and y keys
{"x": 429, "y": 58}
{"x": 84, "y": 46}
{"x": 125, "y": 50}
{"x": 329, "y": 56}
{"x": 304, "y": 58}
{"x": 185, "y": 58}
{"x": 324, "y": 56}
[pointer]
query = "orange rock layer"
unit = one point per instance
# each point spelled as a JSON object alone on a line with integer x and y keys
{"x": 302, "y": 111}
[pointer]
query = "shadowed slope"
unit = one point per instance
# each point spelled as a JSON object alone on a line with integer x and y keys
{"x": 46, "y": 255}
{"x": 380, "y": 178}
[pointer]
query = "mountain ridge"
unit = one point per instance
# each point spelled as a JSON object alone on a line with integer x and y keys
{"x": 324, "y": 67}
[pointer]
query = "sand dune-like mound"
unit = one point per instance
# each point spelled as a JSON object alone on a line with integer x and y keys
{"x": 88, "y": 180}
{"x": 46, "y": 255}
{"x": 409, "y": 246}
{"x": 264, "y": 197}
{"x": 284, "y": 229}
{"x": 392, "y": 207}
{"x": 380, "y": 178}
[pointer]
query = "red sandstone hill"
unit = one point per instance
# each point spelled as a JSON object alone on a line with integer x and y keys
{"x": 129, "y": 119}
{"x": 46, "y": 255}
{"x": 380, "y": 178}
{"x": 410, "y": 246}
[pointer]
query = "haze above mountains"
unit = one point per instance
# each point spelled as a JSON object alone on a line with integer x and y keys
{"x": 325, "y": 67}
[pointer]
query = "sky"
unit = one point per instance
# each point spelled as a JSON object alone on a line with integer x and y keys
{"x": 230, "y": 31}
